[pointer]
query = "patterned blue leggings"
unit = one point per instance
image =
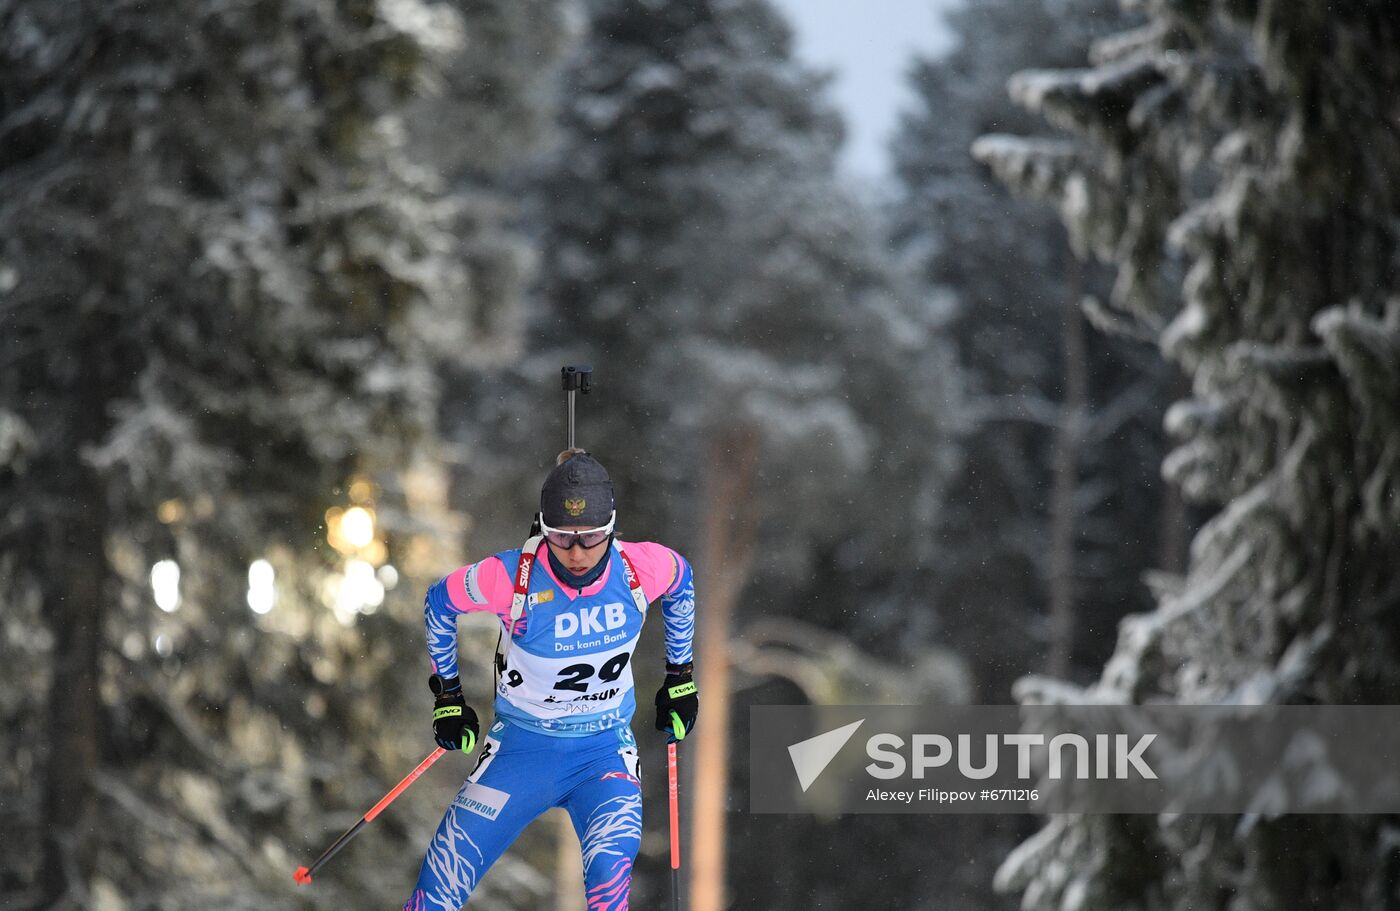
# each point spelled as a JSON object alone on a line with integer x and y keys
{"x": 522, "y": 773}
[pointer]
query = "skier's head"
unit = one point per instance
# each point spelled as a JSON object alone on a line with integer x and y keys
{"x": 577, "y": 497}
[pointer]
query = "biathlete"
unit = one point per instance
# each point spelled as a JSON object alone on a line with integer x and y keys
{"x": 571, "y": 604}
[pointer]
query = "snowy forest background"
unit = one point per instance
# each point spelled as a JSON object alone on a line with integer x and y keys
{"x": 1102, "y": 404}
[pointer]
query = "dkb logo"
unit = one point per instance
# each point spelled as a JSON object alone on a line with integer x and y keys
{"x": 589, "y": 620}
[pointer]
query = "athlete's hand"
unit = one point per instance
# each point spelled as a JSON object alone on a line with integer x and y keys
{"x": 677, "y": 702}
{"x": 455, "y": 725}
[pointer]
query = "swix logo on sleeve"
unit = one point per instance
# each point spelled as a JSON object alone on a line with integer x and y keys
{"x": 589, "y": 620}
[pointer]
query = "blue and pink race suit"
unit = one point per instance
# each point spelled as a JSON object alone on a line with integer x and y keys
{"x": 564, "y": 703}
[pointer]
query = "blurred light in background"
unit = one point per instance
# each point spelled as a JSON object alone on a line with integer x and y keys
{"x": 357, "y": 526}
{"x": 165, "y": 585}
{"x": 261, "y": 594}
{"x": 170, "y": 511}
{"x": 352, "y": 531}
{"x": 133, "y": 645}
{"x": 356, "y": 591}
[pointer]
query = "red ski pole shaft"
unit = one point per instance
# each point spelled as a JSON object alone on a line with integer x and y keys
{"x": 303, "y": 875}
{"x": 674, "y": 790}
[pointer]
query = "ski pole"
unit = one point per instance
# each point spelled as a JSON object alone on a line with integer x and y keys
{"x": 303, "y": 875}
{"x": 675, "y": 826}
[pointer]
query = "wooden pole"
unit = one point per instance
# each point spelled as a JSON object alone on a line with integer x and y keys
{"x": 727, "y": 552}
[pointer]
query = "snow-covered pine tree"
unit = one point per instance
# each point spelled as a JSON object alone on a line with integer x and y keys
{"x": 1065, "y": 426}
{"x": 491, "y": 111}
{"x": 677, "y": 117}
{"x": 698, "y": 247}
{"x": 1063, "y": 434}
{"x": 1238, "y": 164}
{"x": 225, "y": 286}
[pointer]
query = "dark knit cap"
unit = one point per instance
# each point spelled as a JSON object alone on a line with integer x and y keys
{"x": 577, "y": 492}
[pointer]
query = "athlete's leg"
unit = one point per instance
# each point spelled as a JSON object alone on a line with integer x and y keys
{"x": 606, "y": 808}
{"x": 509, "y": 787}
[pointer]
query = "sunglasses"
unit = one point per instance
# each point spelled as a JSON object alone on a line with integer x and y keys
{"x": 589, "y": 537}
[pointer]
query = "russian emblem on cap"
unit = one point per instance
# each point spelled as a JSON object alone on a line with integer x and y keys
{"x": 574, "y": 506}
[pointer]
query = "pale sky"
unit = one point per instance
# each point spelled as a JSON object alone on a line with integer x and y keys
{"x": 867, "y": 44}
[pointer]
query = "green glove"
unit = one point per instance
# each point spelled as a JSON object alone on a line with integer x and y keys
{"x": 677, "y": 702}
{"x": 455, "y": 725}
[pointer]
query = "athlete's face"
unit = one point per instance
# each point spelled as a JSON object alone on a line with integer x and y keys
{"x": 578, "y": 559}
